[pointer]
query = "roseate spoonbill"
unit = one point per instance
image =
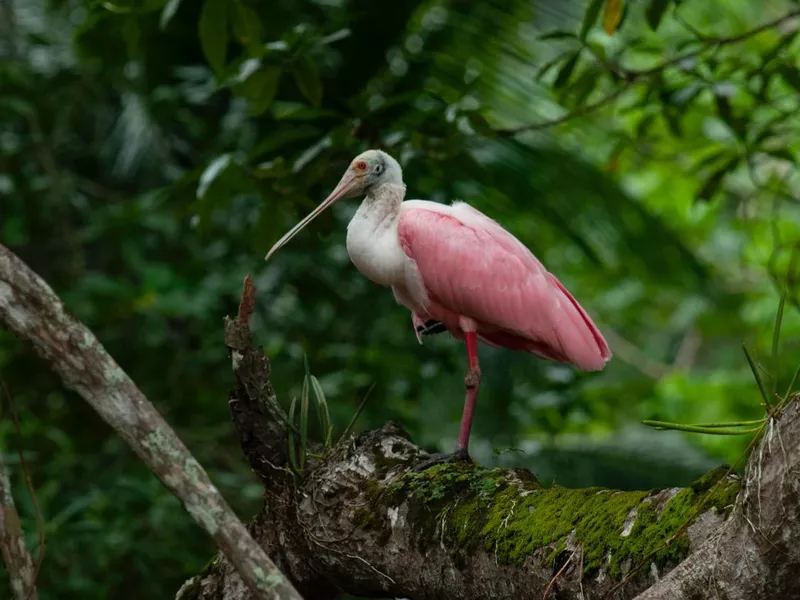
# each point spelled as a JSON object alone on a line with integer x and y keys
{"x": 458, "y": 270}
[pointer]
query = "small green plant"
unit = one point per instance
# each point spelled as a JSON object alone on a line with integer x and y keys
{"x": 298, "y": 420}
{"x": 767, "y": 382}
{"x": 298, "y": 449}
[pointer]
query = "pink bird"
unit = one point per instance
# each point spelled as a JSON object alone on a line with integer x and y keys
{"x": 455, "y": 268}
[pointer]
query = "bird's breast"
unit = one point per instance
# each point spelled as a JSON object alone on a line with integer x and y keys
{"x": 374, "y": 248}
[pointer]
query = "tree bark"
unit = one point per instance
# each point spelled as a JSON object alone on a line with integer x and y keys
{"x": 19, "y": 564}
{"x": 31, "y": 310}
{"x": 362, "y": 521}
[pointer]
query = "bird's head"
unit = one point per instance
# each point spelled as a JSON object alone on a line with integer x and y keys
{"x": 370, "y": 170}
{"x": 367, "y": 171}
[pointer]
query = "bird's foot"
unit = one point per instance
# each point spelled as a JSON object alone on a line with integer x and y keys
{"x": 460, "y": 455}
{"x": 431, "y": 327}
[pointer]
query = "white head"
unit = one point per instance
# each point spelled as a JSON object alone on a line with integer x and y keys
{"x": 368, "y": 171}
{"x": 372, "y": 169}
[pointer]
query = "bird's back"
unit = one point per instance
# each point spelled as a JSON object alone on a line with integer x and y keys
{"x": 471, "y": 266}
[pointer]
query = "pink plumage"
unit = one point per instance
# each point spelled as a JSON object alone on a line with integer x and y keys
{"x": 471, "y": 267}
{"x": 456, "y": 266}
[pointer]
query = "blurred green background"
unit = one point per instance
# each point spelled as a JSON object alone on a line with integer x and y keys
{"x": 152, "y": 151}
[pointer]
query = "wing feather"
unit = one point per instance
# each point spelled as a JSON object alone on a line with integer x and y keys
{"x": 473, "y": 267}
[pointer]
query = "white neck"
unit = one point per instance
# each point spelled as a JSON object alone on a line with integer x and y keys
{"x": 372, "y": 240}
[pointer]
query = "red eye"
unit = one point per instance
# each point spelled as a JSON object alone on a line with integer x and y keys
{"x": 361, "y": 165}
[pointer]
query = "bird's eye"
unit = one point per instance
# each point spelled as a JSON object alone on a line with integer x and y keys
{"x": 361, "y": 165}
{"x": 378, "y": 169}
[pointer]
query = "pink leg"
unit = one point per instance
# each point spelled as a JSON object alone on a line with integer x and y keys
{"x": 472, "y": 381}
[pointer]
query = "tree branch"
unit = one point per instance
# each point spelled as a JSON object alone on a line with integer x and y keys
{"x": 634, "y": 76}
{"x": 756, "y": 553}
{"x": 32, "y": 311}
{"x": 361, "y": 520}
{"x": 19, "y": 564}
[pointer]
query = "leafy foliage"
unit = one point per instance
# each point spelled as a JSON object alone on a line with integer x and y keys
{"x": 151, "y": 152}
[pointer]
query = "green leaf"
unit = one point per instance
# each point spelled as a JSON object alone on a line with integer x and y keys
{"x": 712, "y": 184}
{"x": 781, "y": 153}
{"x": 306, "y": 77}
{"x": 715, "y": 429}
{"x": 169, "y": 11}
{"x": 643, "y": 127}
{"x": 709, "y": 160}
{"x": 479, "y": 123}
{"x": 598, "y": 50}
{"x": 246, "y": 24}
{"x": 304, "y": 420}
{"x": 776, "y": 340}
{"x": 725, "y": 111}
{"x": 545, "y": 68}
{"x": 558, "y": 34}
{"x": 673, "y": 120}
{"x": 773, "y": 52}
{"x": 790, "y": 75}
{"x": 655, "y": 12}
{"x": 18, "y": 105}
{"x": 756, "y": 374}
{"x": 584, "y": 85}
{"x": 323, "y": 413}
{"x": 360, "y": 408}
{"x": 284, "y": 137}
{"x": 260, "y": 89}
{"x": 211, "y": 173}
{"x": 566, "y": 71}
{"x": 213, "y": 32}
{"x": 590, "y": 18}
{"x": 686, "y": 94}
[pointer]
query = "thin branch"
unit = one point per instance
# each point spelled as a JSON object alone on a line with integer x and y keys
{"x": 552, "y": 582}
{"x": 31, "y": 491}
{"x": 578, "y": 112}
{"x": 19, "y": 565}
{"x": 714, "y": 43}
{"x": 32, "y": 311}
{"x": 633, "y": 76}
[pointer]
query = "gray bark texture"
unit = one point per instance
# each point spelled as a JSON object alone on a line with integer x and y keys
{"x": 362, "y": 521}
{"x": 19, "y": 564}
{"x": 31, "y": 310}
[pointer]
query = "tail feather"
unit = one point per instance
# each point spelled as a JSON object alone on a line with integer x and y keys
{"x": 586, "y": 346}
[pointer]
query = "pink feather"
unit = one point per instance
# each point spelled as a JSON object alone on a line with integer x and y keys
{"x": 470, "y": 267}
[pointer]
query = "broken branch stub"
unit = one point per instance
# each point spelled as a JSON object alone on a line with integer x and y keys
{"x": 32, "y": 311}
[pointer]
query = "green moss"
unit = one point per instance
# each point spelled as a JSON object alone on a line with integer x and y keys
{"x": 705, "y": 482}
{"x": 471, "y": 508}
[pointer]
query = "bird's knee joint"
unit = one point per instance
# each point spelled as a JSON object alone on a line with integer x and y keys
{"x": 473, "y": 378}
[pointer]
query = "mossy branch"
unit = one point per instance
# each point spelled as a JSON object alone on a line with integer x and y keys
{"x": 361, "y": 520}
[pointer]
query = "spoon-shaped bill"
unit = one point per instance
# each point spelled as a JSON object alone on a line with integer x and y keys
{"x": 345, "y": 187}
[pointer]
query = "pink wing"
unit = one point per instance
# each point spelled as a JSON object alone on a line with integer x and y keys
{"x": 471, "y": 266}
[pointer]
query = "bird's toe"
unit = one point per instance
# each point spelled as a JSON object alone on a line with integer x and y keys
{"x": 460, "y": 455}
